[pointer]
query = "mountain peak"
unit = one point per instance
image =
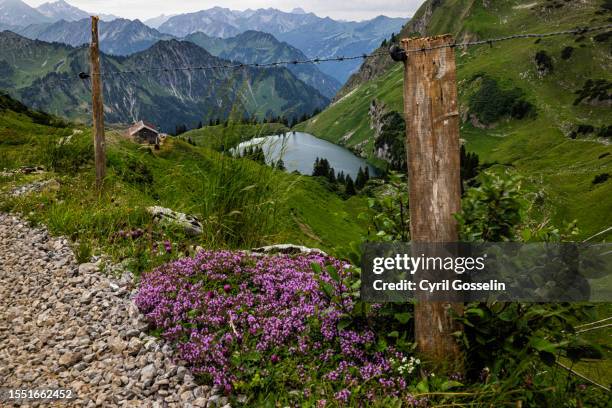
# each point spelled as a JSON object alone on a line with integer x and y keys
{"x": 18, "y": 13}
{"x": 61, "y": 10}
{"x": 298, "y": 10}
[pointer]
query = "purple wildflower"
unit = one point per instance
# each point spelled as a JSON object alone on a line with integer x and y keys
{"x": 342, "y": 396}
{"x": 268, "y": 309}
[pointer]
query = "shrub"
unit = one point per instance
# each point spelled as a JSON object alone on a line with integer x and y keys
{"x": 605, "y": 131}
{"x": 582, "y": 129}
{"x": 543, "y": 62}
{"x": 492, "y": 211}
{"x": 470, "y": 166}
{"x": 491, "y": 103}
{"x": 601, "y": 178}
{"x": 567, "y": 53}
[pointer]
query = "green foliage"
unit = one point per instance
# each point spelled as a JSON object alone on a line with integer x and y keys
{"x": 490, "y": 103}
{"x": 350, "y": 186}
{"x": 133, "y": 171}
{"x": 493, "y": 210}
{"x": 83, "y": 252}
{"x": 544, "y": 62}
{"x": 601, "y": 178}
{"x": 389, "y": 217}
{"x": 255, "y": 153}
{"x": 280, "y": 165}
{"x": 361, "y": 179}
{"x": 67, "y": 154}
{"x": 321, "y": 168}
{"x": 567, "y": 52}
{"x": 470, "y": 166}
{"x": 509, "y": 344}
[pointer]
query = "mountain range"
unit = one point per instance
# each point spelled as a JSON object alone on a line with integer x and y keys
{"x": 42, "y": 75}
{"x": 258, "y": 47}
{"x": 18, "y": 14}
{"x": 125, "y": 37}
{"x": 312, "y": 35}
{"x": 117, "y": 37}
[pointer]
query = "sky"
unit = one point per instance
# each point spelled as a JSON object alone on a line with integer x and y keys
{"x": 336, "y": 9}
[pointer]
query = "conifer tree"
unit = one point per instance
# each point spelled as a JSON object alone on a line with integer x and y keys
{"x": 360, "y": 180}
{"x": 350, "y": 186}
{"x": 332, "y": 176}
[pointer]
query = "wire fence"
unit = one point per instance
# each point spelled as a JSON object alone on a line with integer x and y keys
{"x": 232, "y": 65}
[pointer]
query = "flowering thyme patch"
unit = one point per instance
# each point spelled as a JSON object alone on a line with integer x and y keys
{"x": 267, "y": 322}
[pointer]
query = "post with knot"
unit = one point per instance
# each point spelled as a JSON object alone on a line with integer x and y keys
{"x": 432, "y": 146}
{"x": 97, "y": 105}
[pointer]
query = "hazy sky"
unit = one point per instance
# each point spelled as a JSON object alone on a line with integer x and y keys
{"x": 337, "y": 9}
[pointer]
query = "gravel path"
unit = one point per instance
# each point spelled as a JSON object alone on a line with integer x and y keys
{"x": 68, "y": 326}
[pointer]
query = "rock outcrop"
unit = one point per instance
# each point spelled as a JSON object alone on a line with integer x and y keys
{"x": 190, "y": 224}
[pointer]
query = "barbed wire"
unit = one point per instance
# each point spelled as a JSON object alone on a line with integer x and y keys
{"x": 234, "y": 65}
{"x": 397, "y": 54}
{"x": 490, "y": 41}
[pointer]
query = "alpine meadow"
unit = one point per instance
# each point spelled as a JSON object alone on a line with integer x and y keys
{"x": 204, "y": 206}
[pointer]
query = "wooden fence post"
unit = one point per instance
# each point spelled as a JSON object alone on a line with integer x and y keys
{"x": 432, "y": 144}
{"x": 97, "y": 105}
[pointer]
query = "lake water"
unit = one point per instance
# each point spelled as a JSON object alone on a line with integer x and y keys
{"x": 300, "y": 150}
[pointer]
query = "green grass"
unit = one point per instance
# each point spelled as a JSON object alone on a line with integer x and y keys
{"x": 241, "y": 204}
{"x": 559, "y": 169}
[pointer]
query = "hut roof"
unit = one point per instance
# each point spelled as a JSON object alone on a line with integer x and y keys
{"x": 138, "y": 126}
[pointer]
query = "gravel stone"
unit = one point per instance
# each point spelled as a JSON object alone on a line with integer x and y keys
{"x": 64, "y": 325}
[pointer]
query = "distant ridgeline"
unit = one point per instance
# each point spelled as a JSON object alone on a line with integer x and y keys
{"x": 38, "y": 74}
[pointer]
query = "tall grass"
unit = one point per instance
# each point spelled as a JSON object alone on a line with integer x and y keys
{"x": 238, "y": 200}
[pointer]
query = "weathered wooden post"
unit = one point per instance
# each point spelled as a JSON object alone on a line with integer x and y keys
{"x": 97, "y": 105}
{"x": 432, "y": 144}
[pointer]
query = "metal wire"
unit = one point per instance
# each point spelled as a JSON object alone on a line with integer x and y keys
{"x": 235, "y": 65}
{"x": 579, "y": 30}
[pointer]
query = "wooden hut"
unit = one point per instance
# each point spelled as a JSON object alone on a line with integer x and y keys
{"x": 145, "y": 133}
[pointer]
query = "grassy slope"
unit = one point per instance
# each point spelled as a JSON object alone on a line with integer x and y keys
{"x": 241, "y": 203}
{"x": 559, "y": 168}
